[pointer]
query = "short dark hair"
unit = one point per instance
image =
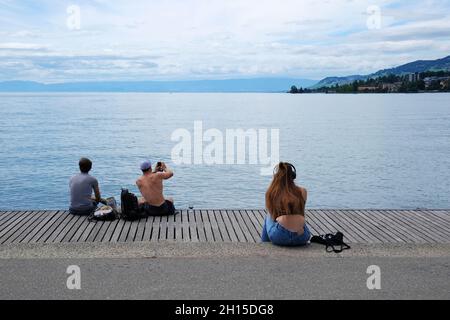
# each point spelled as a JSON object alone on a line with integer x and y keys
{"x": 85, "y": 165}
{"x": 148, "y": 170}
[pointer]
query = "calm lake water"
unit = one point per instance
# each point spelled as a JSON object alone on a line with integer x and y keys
{"x": 351, "y": 151}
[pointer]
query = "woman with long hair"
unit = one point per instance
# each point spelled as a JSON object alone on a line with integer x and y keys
{"x": 285, "y": 201}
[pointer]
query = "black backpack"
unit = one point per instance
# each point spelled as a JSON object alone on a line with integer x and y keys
{"x": 331, "y": 241}
{"x": 129, "y": 205}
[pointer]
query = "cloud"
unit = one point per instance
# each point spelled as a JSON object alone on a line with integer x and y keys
{"x": 210, "y": 39}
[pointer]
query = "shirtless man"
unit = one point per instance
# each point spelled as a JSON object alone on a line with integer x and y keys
{"x": 150, "y": 185}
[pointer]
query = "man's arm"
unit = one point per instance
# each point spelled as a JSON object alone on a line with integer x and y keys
{"x": 167, "y": 173}
{"x": 98, "y": 197}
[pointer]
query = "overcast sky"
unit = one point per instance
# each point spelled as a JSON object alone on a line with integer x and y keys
{"x": 215, "y": 39}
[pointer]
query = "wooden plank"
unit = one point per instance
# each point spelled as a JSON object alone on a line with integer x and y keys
{"x": 117, "y": 231}
{"x": 333, "y": 227}
{"x": 432, "y": 221}
{"x": 178, "y": 226}
{"x": 133, "y": 229}
{"x": 253, "y": 217}
{"x": 156, "y": 228}
{"x": 207, "y": 226}
{"x": 340, "y": 225}
{"x": 362, "y": 225}
{"x": 200, "y": 226}
{"x": 441, "y": 216}
{"x": 110, "y": 231}
{"x": 6, "y": 216}
{"x": 25, "y": 239}
{"x": 336, "y": 225}
{"x": 388, "y": 228}
{"x": 171, "y": 227}
{"x": 311, "y": 225}
{"x": 313, "y": 220}
{"x": 214, "y": 226}
{"x": 221, "y": 225}
{"x": 408, "y": 228}
{"x": 95, "y": 230}
{"x": 69, "y": 235}
{"x": 102, "y": 231}
{"x": 81, "y": 230}
{"x": 235, "y": 224}
{"x": 402, "y": 228}
{"x": 17, "y": 223}
{"x": 163, "y": 229}
{"x": 262, "y": 214}
{"x": 372, "y": 224}
{"x": 18, "y": 229}
{"x": 16, "y": 220}
{"x": 87, "y": 232}
{"x": 192, "y": 226}
{"x": 229, "y": 225}
{"x": 9, "y": 216}
{"x": 345, "y": 218}
{"x": 141, "y": 229}
{"x": 148, "y": 229}
{"x": 46, "y": 229}
{"x": 350, "y": 218}
{"x": 125, "y": 230}
{"x": 377, "y": 226}
{"x": 67, "y": 228}
{"x": 186, "y": 226}
{"x": 381, "y": 215}
{"x": 252, "y": 233}
{"x": 68, "y": 220}
{"x": 424, "y": 227}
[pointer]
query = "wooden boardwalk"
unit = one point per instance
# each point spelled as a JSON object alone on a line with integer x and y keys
{"x": 359, "y": 226}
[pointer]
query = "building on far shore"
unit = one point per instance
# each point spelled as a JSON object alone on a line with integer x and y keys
{"x": 392, "y": 87}
{"x": 413, "y": 77}
{"x": 443, "y": 82}
{"x": 367, "y": 88}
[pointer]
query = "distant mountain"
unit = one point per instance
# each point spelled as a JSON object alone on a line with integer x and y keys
{"x": 230, "y": 85}
{"x": 416, "y": 66}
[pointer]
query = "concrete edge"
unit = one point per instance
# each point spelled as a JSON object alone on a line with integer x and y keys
{"x": 170, "y": 249}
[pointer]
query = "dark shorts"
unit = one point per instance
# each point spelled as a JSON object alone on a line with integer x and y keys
{"x": 82, "y": 212}
{"x": 166, "y": 209}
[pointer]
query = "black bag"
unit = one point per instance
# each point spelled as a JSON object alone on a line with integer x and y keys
{"x": 331, "y": 241}
{"x": 129, "y": 205}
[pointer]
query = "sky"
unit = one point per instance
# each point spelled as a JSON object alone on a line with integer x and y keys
{"x": 61, "y": 41}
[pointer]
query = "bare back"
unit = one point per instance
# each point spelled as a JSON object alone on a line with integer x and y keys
{"x": 294, "y": 222}
{"x": 151, "y": 188}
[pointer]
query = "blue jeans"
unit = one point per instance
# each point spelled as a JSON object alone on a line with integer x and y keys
{"x": 280, "y": 236}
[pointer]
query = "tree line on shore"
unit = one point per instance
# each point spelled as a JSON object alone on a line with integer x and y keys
{"x": 418, "y": 82}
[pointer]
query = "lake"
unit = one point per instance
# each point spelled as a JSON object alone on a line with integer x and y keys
{"x": 350, "y": 151}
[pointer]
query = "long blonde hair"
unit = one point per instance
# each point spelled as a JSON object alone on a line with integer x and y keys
{"x": 283, "y": 197}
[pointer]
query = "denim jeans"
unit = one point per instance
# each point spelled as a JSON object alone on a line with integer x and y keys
{"x": 280, "y": 236}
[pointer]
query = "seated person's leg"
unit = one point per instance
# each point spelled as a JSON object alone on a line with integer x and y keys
{"x": 170, "y": 207}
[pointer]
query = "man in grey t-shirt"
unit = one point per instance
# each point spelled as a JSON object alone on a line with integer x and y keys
{"x": 81, "y": 187}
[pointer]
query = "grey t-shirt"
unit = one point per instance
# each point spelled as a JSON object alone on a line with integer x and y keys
{"x": 81, "y": 187}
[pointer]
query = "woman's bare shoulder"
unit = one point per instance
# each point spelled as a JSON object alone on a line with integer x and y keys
{"x": 303, "y": 191}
